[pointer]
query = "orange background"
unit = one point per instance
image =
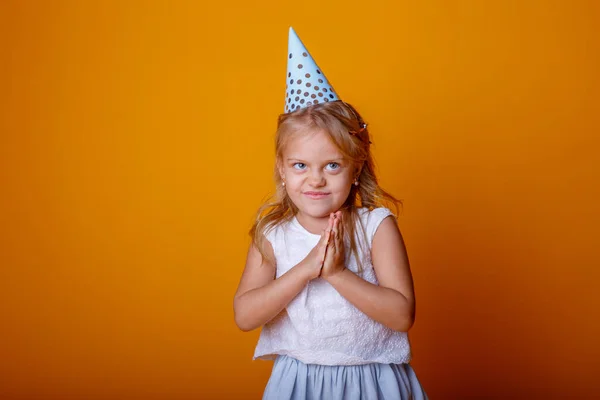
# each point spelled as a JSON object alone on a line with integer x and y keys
{"x": 136, "y": 144}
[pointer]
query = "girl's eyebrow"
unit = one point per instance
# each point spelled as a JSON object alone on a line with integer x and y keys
{"x": 331, "y": 160}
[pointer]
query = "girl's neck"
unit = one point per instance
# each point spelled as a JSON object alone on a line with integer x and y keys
{"x": 314, "y": 225}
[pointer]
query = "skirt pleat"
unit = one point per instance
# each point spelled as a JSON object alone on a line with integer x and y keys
{"x": 294, "y": 380}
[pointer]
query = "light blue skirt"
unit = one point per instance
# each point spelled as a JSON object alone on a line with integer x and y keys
{"x": 292, "y": 379}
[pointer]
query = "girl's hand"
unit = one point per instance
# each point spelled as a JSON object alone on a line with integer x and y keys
{"x": 335, "y": 254}
{"x": 313, "y": 262}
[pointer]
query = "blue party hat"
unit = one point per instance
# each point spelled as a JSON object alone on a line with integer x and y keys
{"x": 306, "y": 84}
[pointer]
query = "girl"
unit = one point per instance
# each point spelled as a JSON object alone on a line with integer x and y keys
{"x": 327, "y": 275}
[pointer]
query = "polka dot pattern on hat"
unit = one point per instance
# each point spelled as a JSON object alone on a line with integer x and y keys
{"x": 305, "y": 80}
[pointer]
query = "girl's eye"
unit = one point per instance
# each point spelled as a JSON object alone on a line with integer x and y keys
{"x": 333, "y": 166}
{"x": 299, "y": 165}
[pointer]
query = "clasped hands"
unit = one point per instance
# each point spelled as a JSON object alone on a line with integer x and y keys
{"x": 327, "y": 258}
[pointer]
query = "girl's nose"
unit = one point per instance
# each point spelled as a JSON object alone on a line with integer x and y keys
{"x": 316, "y": 179}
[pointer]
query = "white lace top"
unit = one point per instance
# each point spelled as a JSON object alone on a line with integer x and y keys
{"x": 319, "y": 326}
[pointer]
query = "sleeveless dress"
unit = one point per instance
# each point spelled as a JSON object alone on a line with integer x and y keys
{"x": 323, "y": 346}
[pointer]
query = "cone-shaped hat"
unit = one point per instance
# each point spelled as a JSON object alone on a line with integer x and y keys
{"x": 306, "y": 84}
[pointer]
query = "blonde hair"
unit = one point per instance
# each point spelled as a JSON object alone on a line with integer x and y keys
{"x": 343, "y": 124}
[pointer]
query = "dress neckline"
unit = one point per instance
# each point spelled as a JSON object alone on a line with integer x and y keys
{"x": 297, "y": 223}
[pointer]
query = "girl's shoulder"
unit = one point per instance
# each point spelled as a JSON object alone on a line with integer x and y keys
{"x": 277, "y": 230}
{"x": 371, "y": 219}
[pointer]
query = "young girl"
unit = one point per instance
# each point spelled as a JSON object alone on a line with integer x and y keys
{"x": 327, "y": 275}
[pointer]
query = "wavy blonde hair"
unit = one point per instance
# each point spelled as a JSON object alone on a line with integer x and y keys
{"x": 343, "y": 124}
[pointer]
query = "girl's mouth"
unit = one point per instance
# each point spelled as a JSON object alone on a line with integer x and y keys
{"x": 316, "y": 195}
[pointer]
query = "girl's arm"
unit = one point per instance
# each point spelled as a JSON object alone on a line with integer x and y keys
{"x": 260, "y": 297}
{"x": 392, "y": 303}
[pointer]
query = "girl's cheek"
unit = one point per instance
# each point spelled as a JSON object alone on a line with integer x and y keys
{"x": 294, "y": 180}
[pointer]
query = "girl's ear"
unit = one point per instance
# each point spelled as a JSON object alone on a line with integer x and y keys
{"x": 358, "y": 170}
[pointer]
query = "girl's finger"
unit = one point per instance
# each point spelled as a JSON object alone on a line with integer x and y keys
{"x": 339, "y": 242}
{"x": 333, "y": 245}
{"x": 326, "y": 246}
{"x": 324, "y": 237}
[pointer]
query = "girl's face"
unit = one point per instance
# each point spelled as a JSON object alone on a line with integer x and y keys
{"x": 317, "y": 177}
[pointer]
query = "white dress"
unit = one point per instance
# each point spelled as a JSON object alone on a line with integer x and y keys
{"x": 320, "y": 326}
{"x": 324, "y": 347}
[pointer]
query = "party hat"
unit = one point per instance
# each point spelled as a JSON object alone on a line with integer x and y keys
{"x": 306, "y": 84}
